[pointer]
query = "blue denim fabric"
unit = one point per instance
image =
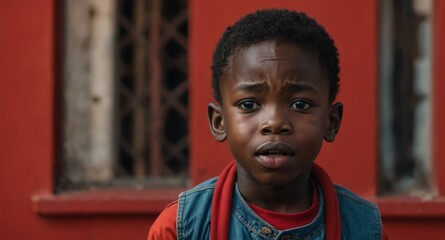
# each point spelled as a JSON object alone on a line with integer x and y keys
{"x": 360, "y": 218}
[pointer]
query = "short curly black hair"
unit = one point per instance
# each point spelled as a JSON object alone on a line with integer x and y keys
{"x": 279, "y": 25}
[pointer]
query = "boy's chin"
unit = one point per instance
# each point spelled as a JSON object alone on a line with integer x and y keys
{"x": 276, "y": 180}
{"x": 273, "y": 177}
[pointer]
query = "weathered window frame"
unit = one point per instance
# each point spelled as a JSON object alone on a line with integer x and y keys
{"x": 120, "y": 100}
{"x": 406, "y": 98}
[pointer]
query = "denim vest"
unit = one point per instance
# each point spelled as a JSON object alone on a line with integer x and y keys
{"x": 360, "y": 219}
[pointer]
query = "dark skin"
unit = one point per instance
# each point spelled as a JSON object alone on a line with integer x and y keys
{"x": 275, "y": 113}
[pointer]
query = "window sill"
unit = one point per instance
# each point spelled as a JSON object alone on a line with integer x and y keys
{"x": 146, "y": 202}
{"x": 114, "y": 202}
{"x": 409, "y": 207}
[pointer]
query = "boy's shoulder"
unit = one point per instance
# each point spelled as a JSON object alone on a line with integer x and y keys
{"x": 206, "y": 186}
{"x": 194, "y": 210}
{"x": 346, "y": 195}
{"x": 360, "y": 218}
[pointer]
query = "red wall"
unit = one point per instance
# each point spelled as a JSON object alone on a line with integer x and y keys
{"x": 27, "y": 122}
{"x": 27, "y": 132}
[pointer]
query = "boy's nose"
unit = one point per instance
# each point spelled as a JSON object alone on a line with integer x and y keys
{"x": 275, "y": 123}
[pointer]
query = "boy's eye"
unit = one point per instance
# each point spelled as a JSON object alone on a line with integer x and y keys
{"x": 248, "y": 105}
{"x": 300, "y": 105}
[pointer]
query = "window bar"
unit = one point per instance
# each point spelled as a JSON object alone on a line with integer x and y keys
{"x": 139, "y": 88}
{"x": 155, "y": 135}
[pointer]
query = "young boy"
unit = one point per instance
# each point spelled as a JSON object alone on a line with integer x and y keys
{"x": 275, "y": 78}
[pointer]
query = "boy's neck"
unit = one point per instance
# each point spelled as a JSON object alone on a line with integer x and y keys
{"x": 291, "y": 198}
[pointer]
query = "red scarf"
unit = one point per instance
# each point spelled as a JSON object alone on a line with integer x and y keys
{"x": 222, "y": 203}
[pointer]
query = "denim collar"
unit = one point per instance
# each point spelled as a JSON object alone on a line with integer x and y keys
{"x": 249, "y": 219}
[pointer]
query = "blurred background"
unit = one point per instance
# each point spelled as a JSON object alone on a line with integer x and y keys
{"x": 103, "y": 107}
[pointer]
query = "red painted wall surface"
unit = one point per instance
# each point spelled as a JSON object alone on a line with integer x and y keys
{"x": 27, "y": 125}
{"x": 27, "y": 133}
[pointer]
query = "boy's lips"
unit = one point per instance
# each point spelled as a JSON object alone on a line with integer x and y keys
{"x": 274, "y": 154}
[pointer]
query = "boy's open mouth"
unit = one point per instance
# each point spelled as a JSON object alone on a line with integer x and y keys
{"x": 274, "y": 154}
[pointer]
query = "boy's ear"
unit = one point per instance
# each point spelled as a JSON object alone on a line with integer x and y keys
{"x": 335, "y": 115}
{"x": 216, "y": 122}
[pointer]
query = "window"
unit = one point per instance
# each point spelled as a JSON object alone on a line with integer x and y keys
{"x": 125, "y": 93}
{"x": 405, "y": 89}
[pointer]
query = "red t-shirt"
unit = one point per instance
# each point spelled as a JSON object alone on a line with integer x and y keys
{"x": 282, "y": 221}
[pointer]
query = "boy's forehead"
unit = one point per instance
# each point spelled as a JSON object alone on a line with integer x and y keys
{"x": 272, "y": 47}
{"x": 275, "y": 67}
{"x": 274, "y": 58}
{"x": 273, "y": 51}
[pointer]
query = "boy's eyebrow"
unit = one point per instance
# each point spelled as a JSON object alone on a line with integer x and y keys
{"x": 301, "y": 87}
{"x": 258, "y": 87}
{"x": 252, "y": 87}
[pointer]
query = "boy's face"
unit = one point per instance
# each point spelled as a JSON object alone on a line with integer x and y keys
{"x": 275, "y": 113}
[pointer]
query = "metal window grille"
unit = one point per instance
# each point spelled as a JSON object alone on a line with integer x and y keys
{"x": 153, "y": 89}
{"x": 125, "y": 92}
